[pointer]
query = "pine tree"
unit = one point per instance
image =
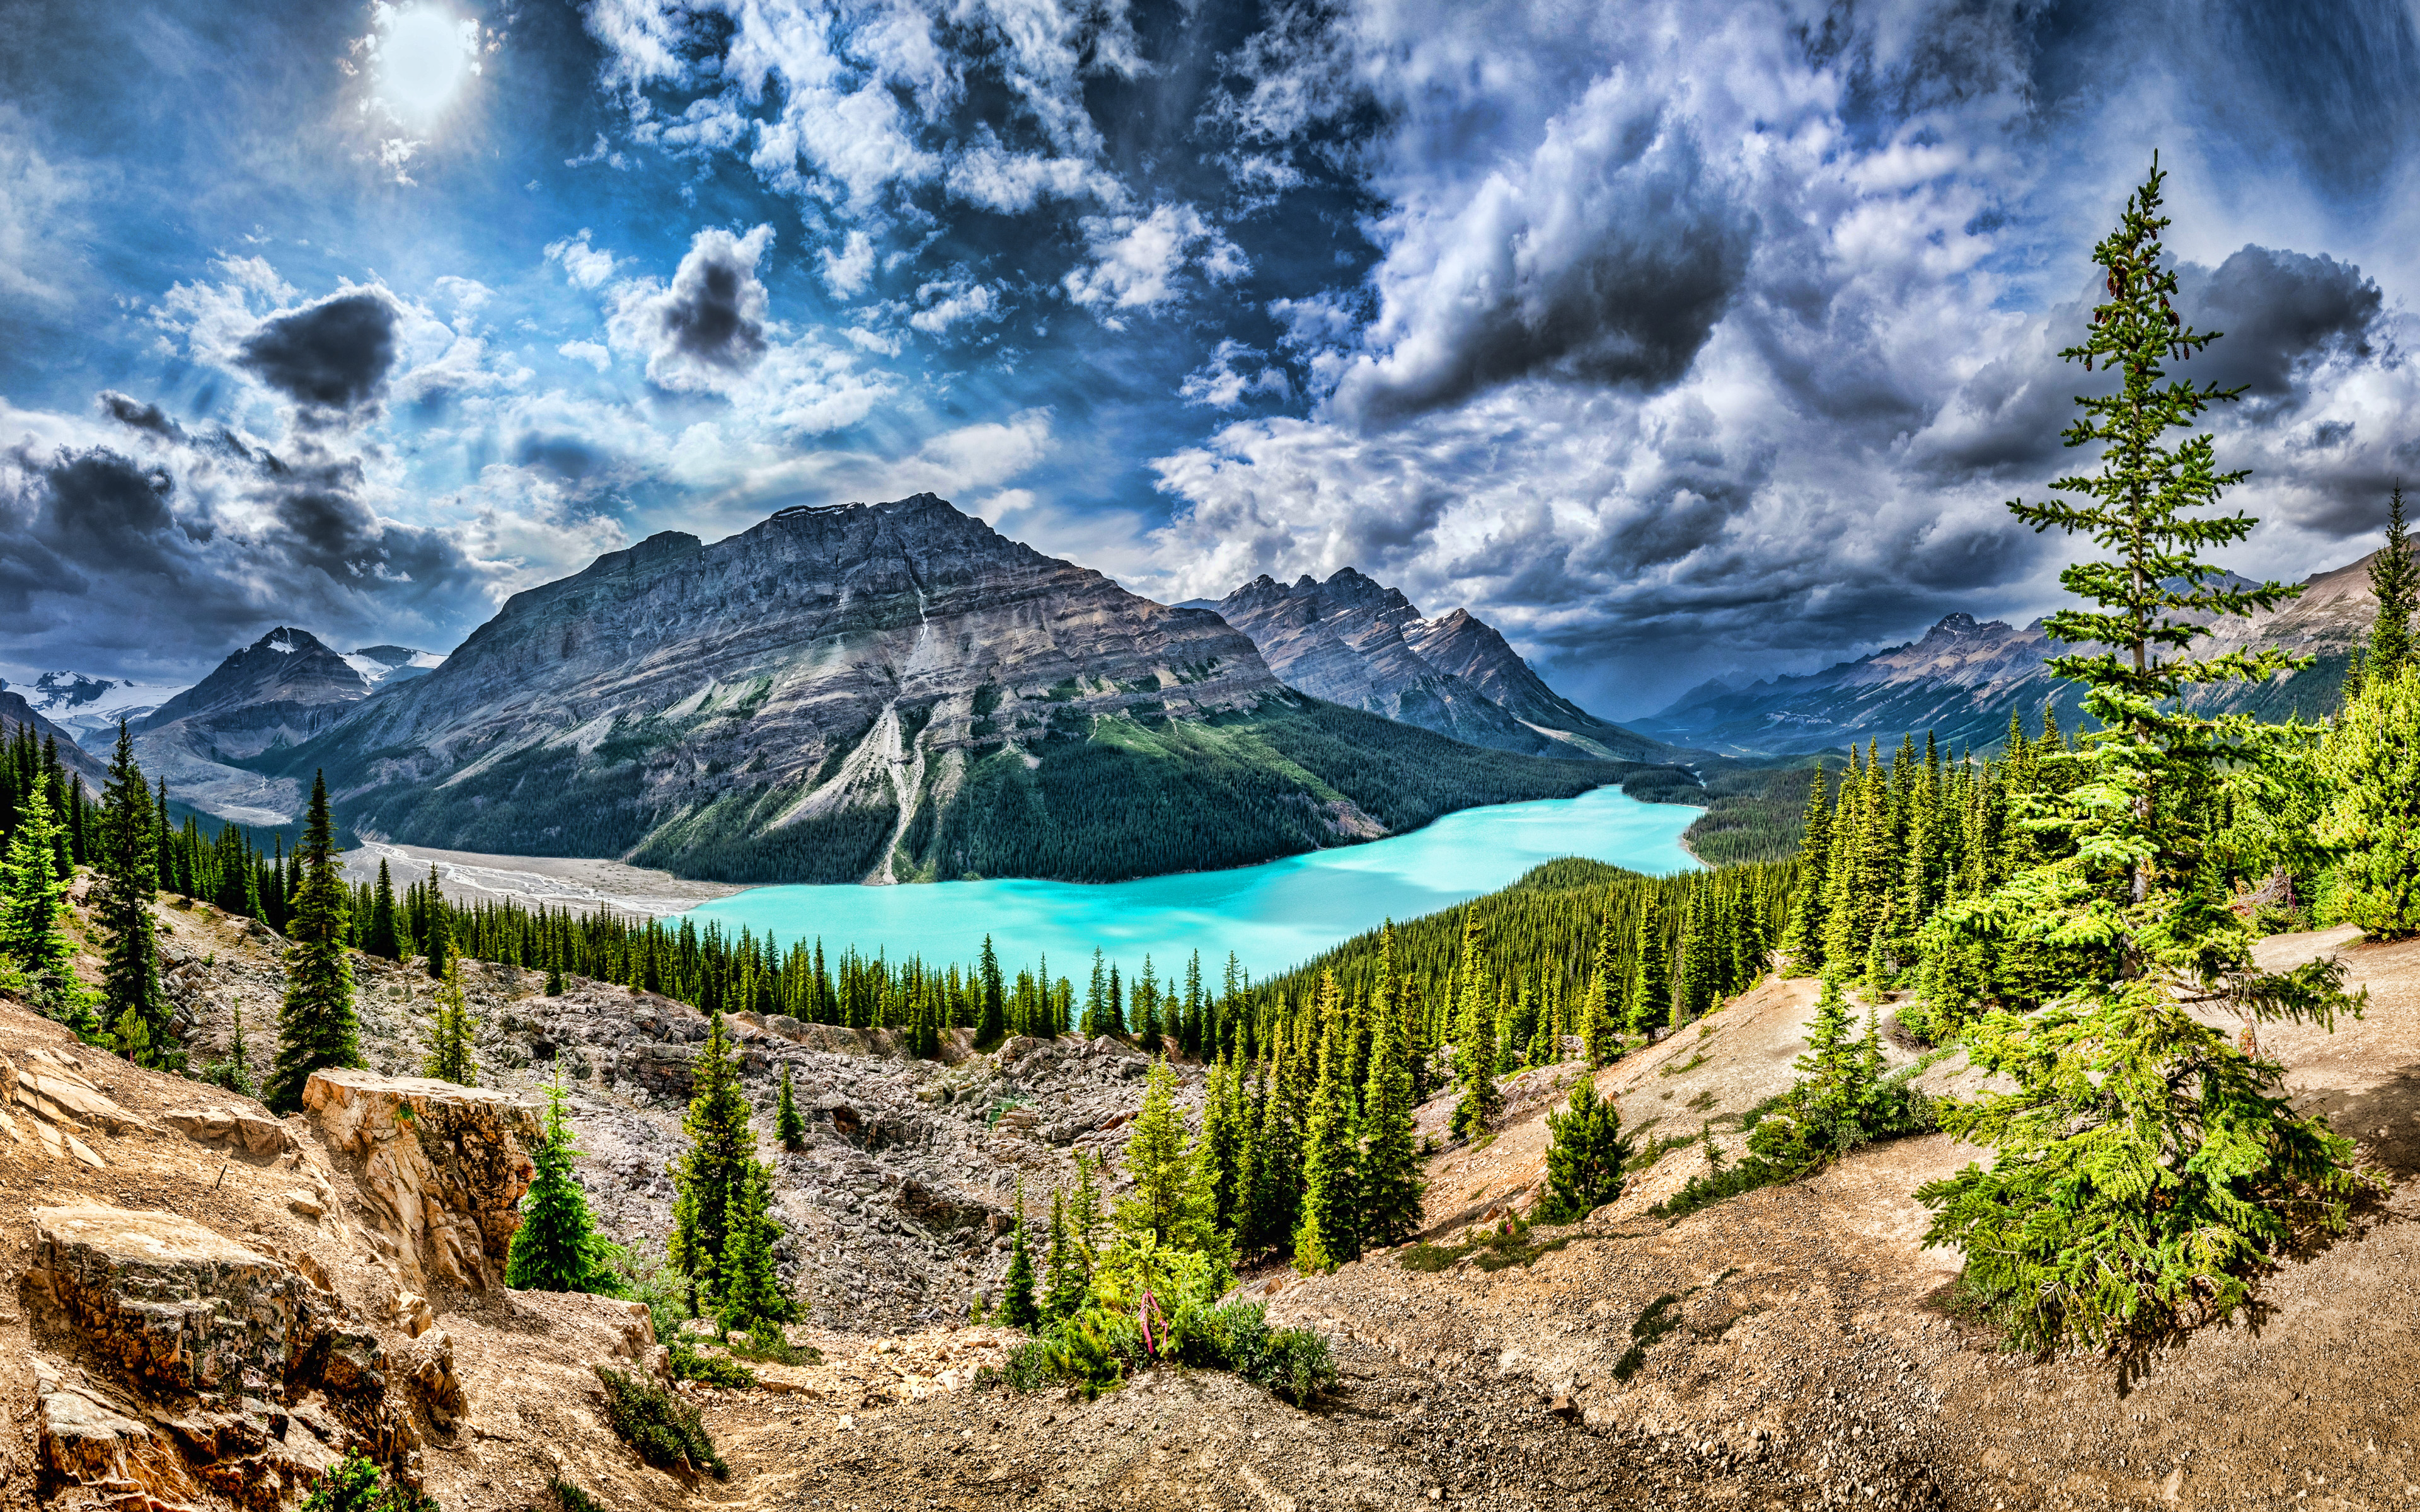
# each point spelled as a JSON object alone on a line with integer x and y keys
{"x": 557, "y": 1247}
{"x": 1475, "y": 1064}
{"x": 2148, "y": 1169}
{"x": 553, "y": 973}
{"x": 1390, "y": 1157}
{"x": 1067, "y": 1286}
{"x": 439, "y": 944}
{"x": 1583, "y": 1164}
{"x": 788, "y": 1126}
{"x": 1803, "y": 939}
{"x": 1222, "y": 1143}
{"x": 2394, "y": 581}
{"x": 751, "y": 1299}
{"x": 1084, "y": 1214}
{"x": 991, "y": 1023}
{"x": 1598, "y": 1045}
{"x": 1329, "y": 1233}
{"x": 1168, "y": 1201}
{"x": 2371, "y": 764}
{"x": 381, "y": 939}
{"x": 452, "y": 1036}
{"x": 316, "y": 1027}
{"x": 33, "y": 897}
{"x": 132, "y": 1006}
{"x": 1016, "y": 1309}
{"x": 1650, "y": 981}
{"x": 708, "y": 1179}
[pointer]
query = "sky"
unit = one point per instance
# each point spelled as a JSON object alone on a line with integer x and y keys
{"x": 1674, "y": 340}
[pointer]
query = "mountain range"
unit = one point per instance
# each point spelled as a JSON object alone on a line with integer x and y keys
{"x": 878, "y": 692}
{"x": 1964, "y": 679}
{"x": 1354, "y": 641}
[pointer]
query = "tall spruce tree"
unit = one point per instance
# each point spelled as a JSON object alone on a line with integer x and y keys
{"x": 453, "y": 1038}
{"x": 1065, "y": 1284}
{"x": 132, "y": 1007}
{"x": 2148, "y": 1169}
{"x": 1169, "y": 1203}
{"x": 1329, "y": 1231}
{"x": 33, "y": 896}
{"x": 381, "y": 939}
{"x": 437, "y": 941}
{"x": 1651, "y": 980}
{"x": 788, "y": 1126}
{"x": 709, "y": 1177}
{"x": 2372, "y": 764}
{"x": 1390, "y": 1156}
{"x": 2395, "y": 583}
{"x": 1802, "y": 940}
{"x": 316, "y": 1027}
{"x": 1016, "y": 1308}
{"x": 753, "y": 1299}
{"x": 557, "y": 1247}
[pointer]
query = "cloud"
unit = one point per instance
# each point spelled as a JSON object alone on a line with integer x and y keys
{"x": 164, "y": 562}
{"x": 39, "y": 218}
{"x": 948, "y": 302}
{"x": 848, "y": 271}
{"x": 1221, "y": 385}
{"x": 1136, "y": 260}
{"x": 587, "y": 267}
{"x": 594, "y": 354}
{"x": 331, "y": 358}
{"x": 707, "y": 330}
{"x": 143, "y": 417}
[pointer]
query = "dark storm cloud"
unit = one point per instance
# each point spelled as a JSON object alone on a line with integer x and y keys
{"x": 150, "y": 417}
{"x": 1612, "y": 267}
{"x": 2278, "y": 311}
{"x": 706, "y": 317}
{"x": 170, "y": 560}
{"x": 331, "y": 357}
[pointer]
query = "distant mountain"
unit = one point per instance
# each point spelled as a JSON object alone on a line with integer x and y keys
{"x": 1354, "y": 641}
{"x": 277, "y": 692}
{"x": 87, "y": 708}
{"x": 393, "y": 664}
{"x": 17, "y": 714}
{"x": 881, "y": 692}
{"x": 1964, "y": 679}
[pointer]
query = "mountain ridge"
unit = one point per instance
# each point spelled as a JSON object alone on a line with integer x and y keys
{"x": 881, "y": 692}
{"x": 1355, "y": 642}
{"x": 1963, "y": 678}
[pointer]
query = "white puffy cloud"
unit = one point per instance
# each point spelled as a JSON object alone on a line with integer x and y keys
{"x": 1221, "y": 384}
{"x": 594, "y": 353}
{"x": 1136, "y": 260}
{"x": 586, "y": 266}
{"x": 848, "y": 270}
{"x": 948, "y": 302}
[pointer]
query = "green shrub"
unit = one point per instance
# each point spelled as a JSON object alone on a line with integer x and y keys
{"x": 1097, "y": 1350}
{"x": 352, "y": 1485}
{"x": 689, "y": 1363}
{"x": 666, "y": 1431}
{"x": 765, "y": 1342}
{"x": 570, "y": 1498}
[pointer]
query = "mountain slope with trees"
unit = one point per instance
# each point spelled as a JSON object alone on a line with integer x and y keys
{"x": 882, "y": 692}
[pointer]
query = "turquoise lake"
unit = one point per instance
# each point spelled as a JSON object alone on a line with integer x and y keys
{"x": 1273, "y": 915}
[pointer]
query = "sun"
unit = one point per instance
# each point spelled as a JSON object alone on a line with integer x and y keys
{"x": 422, "y": 55}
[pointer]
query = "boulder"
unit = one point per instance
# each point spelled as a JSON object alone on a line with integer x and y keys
{"x": 175, "y": 1306}
{"x": 444, "y": 1168}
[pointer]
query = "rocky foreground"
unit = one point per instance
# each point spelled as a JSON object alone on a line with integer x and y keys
{"x": 214, "y": 1302}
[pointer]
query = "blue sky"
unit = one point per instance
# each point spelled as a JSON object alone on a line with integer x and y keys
{"x": 1672, "y": 339}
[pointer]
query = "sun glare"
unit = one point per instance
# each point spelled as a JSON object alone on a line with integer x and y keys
{"x": 424, "y": 53}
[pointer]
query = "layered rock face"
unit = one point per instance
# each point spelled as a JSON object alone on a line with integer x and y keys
{"x": 1963, "y": 678}
{"x": 444, "y": 1167}
{"x": 17, "y": 715}
{"x": 1355, "y": 642}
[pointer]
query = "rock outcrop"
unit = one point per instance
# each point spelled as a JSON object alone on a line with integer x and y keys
{"x": 442, "y": 1167}
{"x": 205, "y": 1363}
